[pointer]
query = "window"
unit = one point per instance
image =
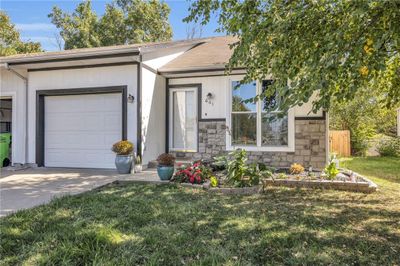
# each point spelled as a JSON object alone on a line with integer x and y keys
{"x": 258, "y": 125}
{"x": 244, "y": 115}
{"x": 274, "y": 129}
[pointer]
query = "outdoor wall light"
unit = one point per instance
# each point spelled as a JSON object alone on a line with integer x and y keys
{"x": 131, "y": 98}
{"x": 209, "y": 96}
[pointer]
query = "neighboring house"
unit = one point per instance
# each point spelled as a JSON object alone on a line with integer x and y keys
{"x": 71, "y": 106}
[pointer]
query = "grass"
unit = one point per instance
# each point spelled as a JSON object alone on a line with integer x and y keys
{"x": 378, "y": 167}
{"x": 130, "y": 224}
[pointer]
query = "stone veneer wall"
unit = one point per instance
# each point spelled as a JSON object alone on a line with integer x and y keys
{"x": 309, "y": 145}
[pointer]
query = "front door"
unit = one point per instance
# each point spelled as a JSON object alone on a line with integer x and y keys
{"x": 183, "y": 119}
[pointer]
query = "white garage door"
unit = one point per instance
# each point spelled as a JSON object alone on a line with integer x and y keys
{"x": 80, "y": 130}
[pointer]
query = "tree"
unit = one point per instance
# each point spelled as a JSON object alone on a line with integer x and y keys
{"x": 10, "y": 40}
{"x": 124, "y": 22}
{"x": 364, "y": 116}
{"x": 335, "y": 47}
{"x": 194, "y": 30}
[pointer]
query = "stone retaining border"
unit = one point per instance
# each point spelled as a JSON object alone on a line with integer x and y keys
{"x": 365, "y": 186}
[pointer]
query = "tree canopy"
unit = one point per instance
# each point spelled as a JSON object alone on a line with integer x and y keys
{"x": 10, "y": 39}
{"x": 365, "y": 116}
{"x": 335, "y": 47}
{"x": 124, "y": 22}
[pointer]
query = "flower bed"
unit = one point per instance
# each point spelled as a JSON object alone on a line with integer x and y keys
{"x": 344, "y": 180}
{"x": 356, "y": 183}
{"x": 232, "y": 175}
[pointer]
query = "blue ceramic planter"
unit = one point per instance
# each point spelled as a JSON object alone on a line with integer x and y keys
{"x": 123, "y": 163}
{"x": 165, "y": 172}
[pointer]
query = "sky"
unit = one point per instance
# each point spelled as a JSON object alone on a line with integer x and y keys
{"x": 30, "y": 18}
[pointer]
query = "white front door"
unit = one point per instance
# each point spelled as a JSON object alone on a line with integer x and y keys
{"x": 80, "y": 130}
{"x": 183, "y": 119}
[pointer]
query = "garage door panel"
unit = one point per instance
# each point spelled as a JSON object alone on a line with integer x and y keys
{"x": 114, "y": 121}
{"x": 60, "y": 158}
{"x": 82, "y": 138}
{"x": 112, "y": 103}
{"x": 73, "y": 140}
{"x": 66, "y": 104}
{"x": 63, "y": 121}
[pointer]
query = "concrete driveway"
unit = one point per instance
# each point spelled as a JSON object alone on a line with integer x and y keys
{"x": 31, "y": 187}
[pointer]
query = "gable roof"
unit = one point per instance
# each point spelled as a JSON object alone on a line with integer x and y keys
{"x": 201, "y": 54}
{"x": 213, "y": 53}
{"x": 101, "y": 51}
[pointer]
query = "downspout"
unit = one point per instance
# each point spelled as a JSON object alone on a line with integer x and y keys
{"x": 139, "y": 106}
{"x": 26, "y": 107}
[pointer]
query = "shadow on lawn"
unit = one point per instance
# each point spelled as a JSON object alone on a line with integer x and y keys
{"x": 145, "y": 224}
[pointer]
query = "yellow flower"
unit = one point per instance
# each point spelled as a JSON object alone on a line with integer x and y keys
{"x": 369, "y": 41}
{"x": 368, "y": 50}
{"x": 364, "y": 71}
{"x": 270, "y": 40}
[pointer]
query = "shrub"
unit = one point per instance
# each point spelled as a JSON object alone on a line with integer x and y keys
{"x": 263, "y": 167}
{"x": 296, "y": 169}
{"x": 213, "y": 181}
{"x": 389, "y": 147}
{"x": 331, "y": 171}
{"x": 240, "y": 174}
{"x": 219, "y": 163}
{"x": 166, "y": 159}
{"x": 122, "y": 147}
{"x": 281, "y": 176}
{"x": 192, "y": 173}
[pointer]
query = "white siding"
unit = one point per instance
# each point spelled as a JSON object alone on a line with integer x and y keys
{"x": 215, "y": 85}
{"x": 305, "y": 109}
{"x": 153, "y": 115}
{"x": 13, "y": 86}
{"x": 218, "y": 86}
{"x": 82, "y": 78}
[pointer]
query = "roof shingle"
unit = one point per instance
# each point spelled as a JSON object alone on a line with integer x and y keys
{"x": 213, "y": 53}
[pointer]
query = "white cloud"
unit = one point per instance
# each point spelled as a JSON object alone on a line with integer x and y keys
{"x": 35, "y": 27}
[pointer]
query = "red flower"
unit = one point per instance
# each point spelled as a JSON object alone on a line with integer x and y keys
{"x": 191, "y": 179}
{"x": 198, "y": 179}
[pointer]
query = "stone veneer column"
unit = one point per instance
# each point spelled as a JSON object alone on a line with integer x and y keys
{"x": 309, "y": 145}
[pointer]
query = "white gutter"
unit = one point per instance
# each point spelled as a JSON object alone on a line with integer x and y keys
{"x": 26, "y": 106}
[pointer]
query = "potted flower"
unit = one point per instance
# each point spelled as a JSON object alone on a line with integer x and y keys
{"x": 165, "y": 168}
{"x": 124, "y": 158}
{"x": 138, "y": 164}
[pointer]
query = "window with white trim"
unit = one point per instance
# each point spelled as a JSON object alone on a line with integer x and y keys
{"x": 258, "y": 125}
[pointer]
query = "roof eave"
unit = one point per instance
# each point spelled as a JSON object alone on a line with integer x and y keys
{"x": 78, "y": 55}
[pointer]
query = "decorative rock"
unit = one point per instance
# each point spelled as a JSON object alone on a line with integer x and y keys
{"x": 342, "y": 177}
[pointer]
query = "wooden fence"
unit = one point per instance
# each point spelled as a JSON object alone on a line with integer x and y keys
{"x": 339, "y": 142}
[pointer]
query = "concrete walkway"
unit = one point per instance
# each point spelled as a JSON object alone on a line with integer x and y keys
{"x": 31, "y": 187}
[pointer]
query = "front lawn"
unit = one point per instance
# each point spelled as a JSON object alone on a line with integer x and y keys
{"x": 129, "y": 224}
{"x": 375, "y": 167}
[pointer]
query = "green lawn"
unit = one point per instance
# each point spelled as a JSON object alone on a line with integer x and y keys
{"x": 130, "y": 224}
